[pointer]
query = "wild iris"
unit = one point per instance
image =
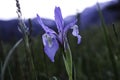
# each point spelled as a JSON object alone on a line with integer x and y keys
{"x": 51, "y": 38}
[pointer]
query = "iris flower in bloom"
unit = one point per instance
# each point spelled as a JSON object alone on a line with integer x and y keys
{"x": 52, "y": 39}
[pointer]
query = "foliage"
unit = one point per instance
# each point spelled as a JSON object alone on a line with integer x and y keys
{"x": 90, "y": 59}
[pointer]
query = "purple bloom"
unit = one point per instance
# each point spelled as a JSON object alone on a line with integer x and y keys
{"x": 51, "y": 39}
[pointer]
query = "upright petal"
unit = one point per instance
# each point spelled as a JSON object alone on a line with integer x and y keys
{"x": 76, "y": 33}
{"x": 59, "y": 19}
{"x": 47, "y": 29}
{"x": 50, "y": 45}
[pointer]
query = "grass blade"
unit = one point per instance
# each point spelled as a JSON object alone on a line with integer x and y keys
{"x": 7, "y": 59}
{"x": 108, "y": 43}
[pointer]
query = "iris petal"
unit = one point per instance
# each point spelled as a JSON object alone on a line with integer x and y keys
{"x": 59, "y": 19}
{"x": 47, "y": 29}
{"x": 76, "y": 33}
{"x": 68, "y": 26}
{"x": 50, "y": 45}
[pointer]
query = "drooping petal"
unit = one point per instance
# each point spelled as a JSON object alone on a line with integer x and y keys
{"x": 50, "y": 45}
{"x": 76, "y": 33}
{"x": 68, "y": 26}
{"x": 59, "y": 19}
{"x": 47, "y": 29}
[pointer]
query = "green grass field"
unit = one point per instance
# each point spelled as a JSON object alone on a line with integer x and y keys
{"x": 93, "y": 59}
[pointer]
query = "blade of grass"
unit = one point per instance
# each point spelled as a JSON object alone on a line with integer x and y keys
{"x": 31, "y": 47}
{"x": 108, "y": 43}
{"x": 74, "y": 72}
{"x": 1, "y": 52}
{"x": 7, "y": 59}
{"x": 115, "y": 32}
{"x": 11, "y": 77}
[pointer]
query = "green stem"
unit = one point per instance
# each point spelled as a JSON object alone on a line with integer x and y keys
{"x": 68, "y": 59}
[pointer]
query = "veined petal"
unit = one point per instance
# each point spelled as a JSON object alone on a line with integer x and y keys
{"x": 50, "y": 45}
{"x": 68, "y": 26}
{"x": 76, "y": 33}
{"x": 47, "y": 29}
{"x": 59, "y": 19}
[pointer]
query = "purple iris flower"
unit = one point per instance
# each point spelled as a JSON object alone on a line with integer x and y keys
{"x": 52, "y": 39}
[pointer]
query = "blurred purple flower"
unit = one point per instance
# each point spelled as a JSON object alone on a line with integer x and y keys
{"x": 51, "y": 39}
